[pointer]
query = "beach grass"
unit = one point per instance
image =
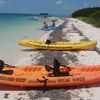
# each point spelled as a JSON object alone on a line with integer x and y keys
{"x": 95, "y": 22}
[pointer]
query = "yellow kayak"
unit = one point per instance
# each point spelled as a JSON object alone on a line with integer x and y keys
{"x": 58, "y": 45}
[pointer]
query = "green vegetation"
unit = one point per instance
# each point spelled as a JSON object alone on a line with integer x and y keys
{"x": 89, "y": 15}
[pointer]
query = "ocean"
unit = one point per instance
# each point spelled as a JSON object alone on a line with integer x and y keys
{"x": 15, "y": 27}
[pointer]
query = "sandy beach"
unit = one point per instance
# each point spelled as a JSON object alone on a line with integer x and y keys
{"x": 74, "y": 31}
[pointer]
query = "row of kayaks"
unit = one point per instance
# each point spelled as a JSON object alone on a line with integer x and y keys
{"x": 36, "y": 44}
{"x": 47, "y": 76}
{"x": 40, "y": 76}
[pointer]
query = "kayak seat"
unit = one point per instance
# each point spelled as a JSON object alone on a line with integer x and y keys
{"x": 8, "y": 72}
{"x": 48, "y": 68}
{"x": 48, "y": 42}
{"x": 56, "y": 72}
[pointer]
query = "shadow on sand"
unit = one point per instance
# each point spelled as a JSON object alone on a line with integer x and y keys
{"x": 17, "y": 88}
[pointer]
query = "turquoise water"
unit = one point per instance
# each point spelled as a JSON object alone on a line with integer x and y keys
{"x": 17, "y": 25}
{"x": 14, "y": 28}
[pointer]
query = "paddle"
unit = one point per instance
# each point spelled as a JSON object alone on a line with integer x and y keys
{"x": 57, "y": 65}
{"x": 56, "y": 62}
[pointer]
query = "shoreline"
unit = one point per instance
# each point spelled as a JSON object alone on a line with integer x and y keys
{"x": 33, "y": 56}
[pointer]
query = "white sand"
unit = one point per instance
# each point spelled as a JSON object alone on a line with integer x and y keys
{"x": 85, "y": 57}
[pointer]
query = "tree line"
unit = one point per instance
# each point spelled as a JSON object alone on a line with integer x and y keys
{"x": 90, "y": 15}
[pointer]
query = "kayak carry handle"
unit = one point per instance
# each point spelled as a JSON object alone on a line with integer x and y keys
{"x": 44, "y": 79}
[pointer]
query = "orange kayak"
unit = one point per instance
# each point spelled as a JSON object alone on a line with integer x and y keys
{"x": 39, "y": 76}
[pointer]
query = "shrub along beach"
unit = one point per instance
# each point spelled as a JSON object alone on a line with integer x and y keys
{"x": 89, "y": 15}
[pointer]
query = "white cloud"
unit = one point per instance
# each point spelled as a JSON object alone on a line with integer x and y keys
{"x": 2, "y": 2}
{"x": 59, "y": 2}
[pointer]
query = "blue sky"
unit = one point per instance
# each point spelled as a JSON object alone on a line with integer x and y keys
{"x": 57, "y": 7}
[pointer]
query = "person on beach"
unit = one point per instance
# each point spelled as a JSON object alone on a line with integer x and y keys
{"x": 45, "y": 25}
{"x": 53, "y": 23}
